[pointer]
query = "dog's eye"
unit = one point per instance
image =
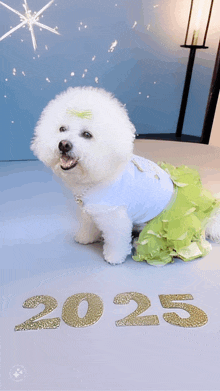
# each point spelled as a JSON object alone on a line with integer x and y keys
{"x": 86, "y": 134}
{"x": 63, "y": 129}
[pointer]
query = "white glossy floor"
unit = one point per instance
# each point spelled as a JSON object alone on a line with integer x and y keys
{"x": 40, "y": 257}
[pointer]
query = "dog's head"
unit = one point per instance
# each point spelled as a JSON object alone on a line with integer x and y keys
{"x": 84, "y": 133}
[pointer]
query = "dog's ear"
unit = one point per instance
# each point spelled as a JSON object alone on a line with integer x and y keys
{"x": 133, "y": 129}
{"x": 32, "y": 144}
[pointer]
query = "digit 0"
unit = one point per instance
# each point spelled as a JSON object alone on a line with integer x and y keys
{"x": 70, "y": 310}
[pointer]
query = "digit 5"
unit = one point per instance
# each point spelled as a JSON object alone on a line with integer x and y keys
{"x": 197, "y": 317}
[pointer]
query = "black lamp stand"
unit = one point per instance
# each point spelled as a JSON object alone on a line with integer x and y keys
{"x": 186, "y": 86}
{"x": 212, "y": 101}
{"x": 192, "y": 54}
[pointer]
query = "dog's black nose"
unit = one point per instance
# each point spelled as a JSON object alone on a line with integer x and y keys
{"x": 65, "y": 146}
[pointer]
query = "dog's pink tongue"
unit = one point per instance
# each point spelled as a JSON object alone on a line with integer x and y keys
{"x": 67, "y": 161}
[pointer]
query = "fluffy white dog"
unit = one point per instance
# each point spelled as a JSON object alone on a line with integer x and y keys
{"x": 86, "y": 137}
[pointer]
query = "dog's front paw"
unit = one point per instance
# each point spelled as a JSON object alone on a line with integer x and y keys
{"x": 113, "y": 261}
{"x": 116, "y": 254}
{"x": 84, "y": 238}
{"x": 113, "y": 258}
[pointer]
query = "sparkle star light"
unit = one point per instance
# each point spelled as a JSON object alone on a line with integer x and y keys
{"x": 30, "y": 19}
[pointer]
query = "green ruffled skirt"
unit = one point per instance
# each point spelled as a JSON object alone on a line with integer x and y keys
{"x": 178, "y": 231}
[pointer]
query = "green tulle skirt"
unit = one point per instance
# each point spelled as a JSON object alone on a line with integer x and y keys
{"x": 179, "y": 231}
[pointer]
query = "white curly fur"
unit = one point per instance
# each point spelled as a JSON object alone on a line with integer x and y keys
{"x": 100, "y": 160}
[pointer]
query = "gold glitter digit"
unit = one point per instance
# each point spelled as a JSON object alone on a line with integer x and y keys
{"x": 197, "y": 316}
{"x": 71, "y": 305}
{"x": 31, "y": 324}
{"x": 143, "y": 304}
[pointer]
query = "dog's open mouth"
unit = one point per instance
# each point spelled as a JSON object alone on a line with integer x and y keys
{"x": 67, "y": 162}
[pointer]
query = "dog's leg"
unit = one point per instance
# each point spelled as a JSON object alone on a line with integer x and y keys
{"x": 116, "y": 228}
{"x": 88, "y": 232}
{"x": 212, "y": 230}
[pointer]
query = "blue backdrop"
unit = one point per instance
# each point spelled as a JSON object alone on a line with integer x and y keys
{"x": 103, "y": 43}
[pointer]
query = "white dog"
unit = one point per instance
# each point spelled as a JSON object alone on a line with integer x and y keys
{"x": 86, "y": 137}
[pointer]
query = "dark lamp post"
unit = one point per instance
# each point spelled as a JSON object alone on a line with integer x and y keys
{"x": 196, "y": 33}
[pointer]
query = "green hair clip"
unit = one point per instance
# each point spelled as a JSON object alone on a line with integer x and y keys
{"x": 81, "y": 114}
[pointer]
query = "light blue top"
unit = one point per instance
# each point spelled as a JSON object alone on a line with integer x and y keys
{"x": 143, "y": 188}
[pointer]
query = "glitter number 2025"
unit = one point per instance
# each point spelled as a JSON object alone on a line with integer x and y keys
{"x": 70, "y": 315}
